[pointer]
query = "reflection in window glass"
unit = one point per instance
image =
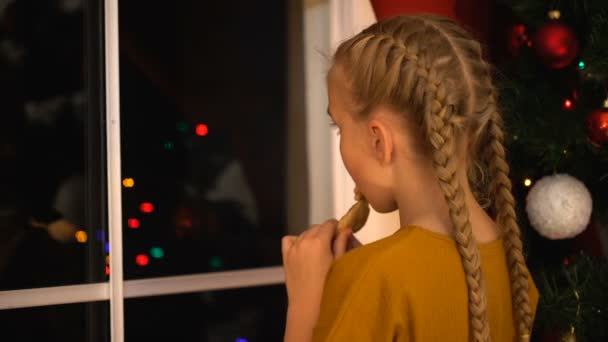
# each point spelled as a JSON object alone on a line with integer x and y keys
{"x": 51, "y": 162}
{"x": 203, "y": 104}
{"x": 252, "y": 314}
{"x": 57, "y": 323}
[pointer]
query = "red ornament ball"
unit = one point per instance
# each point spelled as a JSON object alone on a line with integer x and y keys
{"x": 597, "y": 127}
{"x": 556, "y": 44}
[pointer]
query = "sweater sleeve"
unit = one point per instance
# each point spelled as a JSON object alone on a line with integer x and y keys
{"x": 362, "y": 309}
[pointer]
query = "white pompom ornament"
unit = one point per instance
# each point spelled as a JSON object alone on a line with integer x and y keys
{"x": 559, "y": 206}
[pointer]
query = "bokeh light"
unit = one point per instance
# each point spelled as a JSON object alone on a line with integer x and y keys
{"x": 182, "y": 127}
{"x": 157, "y": 252}
{"x": 202, "y": 130}
{"x": 216, "y": 262}
{"x": 133, "y": 223}
{"x": 142, "y": 260}
{"x": 81, "y": 236}
{"x": 146, "y": 207}
{"x": 128, "y": 182}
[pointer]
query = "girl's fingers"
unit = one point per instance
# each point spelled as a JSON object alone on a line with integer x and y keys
{"x": 353, "y": 242}
{"x": 327, "y": 230}
{"x": 312, "y": 231}
{"x": 341, "y": 243}
{"x": 286, "y": 243}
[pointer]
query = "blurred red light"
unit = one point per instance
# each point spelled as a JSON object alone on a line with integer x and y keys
{"x": 133, "y": 223}
{"x": 202, "y": 130}
{"x": 142, "y": 260}
{"x": 146, "y": 207}
{"x": 107, "y": 270}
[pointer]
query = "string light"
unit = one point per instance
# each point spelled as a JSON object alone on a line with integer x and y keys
{"x": 146, "y": 207}
{"x": 581, "y": 65}
{"x": 107, "y": 270}
{"x": 107, "y": 247}
{"x": 142, "y": 260}
{"x": 133, "y": 223}
{"x": 554, "y": 14}
{"x": 568, "y": 104}
{"x": 202, "y": 130}
{"x": 240, "y": 339}
{"x": 157, "y": 252}
{"x": 128, "y": 182}
{"x": 168, "y": 145}
{"x": 527, "y": 182}
{"x": 216, "y": 262}
{"x": 107, "y": 259}
{"x": 182, "y": 127}
{"x": 81, "y": 236}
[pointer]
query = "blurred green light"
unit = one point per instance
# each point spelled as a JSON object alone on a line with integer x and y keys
{"x": 216, "y": 262}
{"x": 157, "y": 252}
{"x": 182, "y": 127}
{"x": 168, "y": 145}
{"x": 581, "y": 65}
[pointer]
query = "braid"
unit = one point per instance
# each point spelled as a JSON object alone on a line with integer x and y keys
{"x": 442, "y": 137}
{"x": 504, "y": 204}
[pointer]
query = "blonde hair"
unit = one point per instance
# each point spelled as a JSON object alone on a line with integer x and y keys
{"x": 432, "y": 69}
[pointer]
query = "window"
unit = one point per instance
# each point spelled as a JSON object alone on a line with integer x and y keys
{"x": 203, "y": 130}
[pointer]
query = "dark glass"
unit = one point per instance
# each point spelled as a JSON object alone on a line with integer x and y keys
{"x": 242, "y": 315}
{"x": 203, "y": 116}
{"x": 52, "y": 178}
{"x": 56, "y": 323}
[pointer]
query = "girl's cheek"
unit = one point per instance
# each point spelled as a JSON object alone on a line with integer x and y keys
{"x": 348, "y": 158}
{"x": 345, "y": 156}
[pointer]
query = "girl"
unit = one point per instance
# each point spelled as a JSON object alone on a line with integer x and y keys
{"x": 420, "y": 132}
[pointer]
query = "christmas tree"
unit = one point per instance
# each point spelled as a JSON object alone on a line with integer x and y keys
{"x": 552, "y": 76}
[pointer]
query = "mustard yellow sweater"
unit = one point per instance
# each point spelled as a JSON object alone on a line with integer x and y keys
{"x": 410, "y": 286}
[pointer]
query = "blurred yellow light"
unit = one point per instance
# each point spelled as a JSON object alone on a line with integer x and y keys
{"x": 81, "y": 236}
{"x": 554, "y": 14}
{"x": 527, "y": 182}
{"x": 107, "y": 259}
{"x": 128, "y": 182}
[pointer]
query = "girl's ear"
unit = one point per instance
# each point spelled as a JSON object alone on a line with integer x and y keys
{"x": 381, "y": 141}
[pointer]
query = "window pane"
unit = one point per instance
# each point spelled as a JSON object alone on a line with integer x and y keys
{"x": 51, "y": 138}
{"x": 251, "y": 314}
{"x": 57, "y": 323}
{"x": 203, "y": 116}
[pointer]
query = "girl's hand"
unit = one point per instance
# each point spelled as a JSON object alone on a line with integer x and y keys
{"x": 307, "y": 259}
